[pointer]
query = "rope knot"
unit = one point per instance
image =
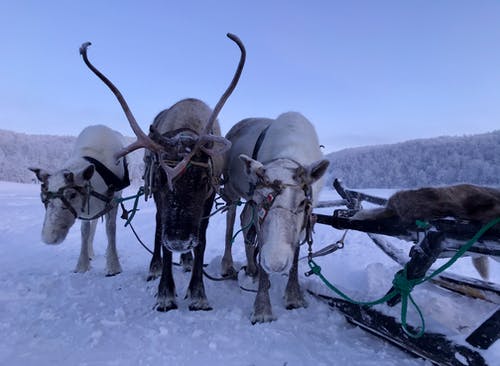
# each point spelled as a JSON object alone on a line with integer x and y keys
{"x": 315, "y": 269}
{"x": 402, "y": 283}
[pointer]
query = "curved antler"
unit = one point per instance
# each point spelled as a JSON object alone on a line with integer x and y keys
{"x": 206, "y": 136}
{"x": 232, "y": 85}
{"x": 143, "y": 140}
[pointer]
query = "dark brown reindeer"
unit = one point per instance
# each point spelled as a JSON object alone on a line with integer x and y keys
{"x": 184, "y": 159}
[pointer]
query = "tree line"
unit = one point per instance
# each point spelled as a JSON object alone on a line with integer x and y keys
{"x": 437, "y": 161}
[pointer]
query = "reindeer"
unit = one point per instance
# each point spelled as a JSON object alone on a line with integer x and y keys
{"x": 277, "y": 167}
{"x": 184, "y": 160}
{"x": 86, "y": 187}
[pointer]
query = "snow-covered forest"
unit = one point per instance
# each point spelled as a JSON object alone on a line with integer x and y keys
{"x": 19, "y": 151}
{"x": 437, "y": 161}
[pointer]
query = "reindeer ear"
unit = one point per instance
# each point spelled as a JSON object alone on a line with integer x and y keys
{"x": 253, "y": 168}
{"x": 316, "y": 170}
{"x": 41, "y": 174}
{"x": 80, "y": 177}
{"x": 69, "y": 177}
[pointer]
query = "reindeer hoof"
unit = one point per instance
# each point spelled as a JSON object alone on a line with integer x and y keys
{"x": 262, "y": 318}
{"x": 166, "y": 307}
{"x": 112, "y": 274}
{"x": 152, "y": 277}
{"x": 187, "y": 261}
{"x": 230, "y": 274}
{"x": 295, "y": 300}
{"x": 200, "y": 305}
{"x": 301, "y": 303}
{"x": 196, "y": 308}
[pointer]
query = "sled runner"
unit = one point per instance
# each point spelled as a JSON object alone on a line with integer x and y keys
{"x": 434, "y": 347}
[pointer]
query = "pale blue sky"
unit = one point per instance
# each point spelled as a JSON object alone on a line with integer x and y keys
{"x": 364, "y": 72}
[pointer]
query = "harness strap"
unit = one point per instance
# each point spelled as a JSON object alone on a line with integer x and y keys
{"x": 110, "y": 178}
{"x": 258, "y": 143}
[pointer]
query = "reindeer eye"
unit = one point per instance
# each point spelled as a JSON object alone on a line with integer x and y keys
{"x": 70, "y": 195}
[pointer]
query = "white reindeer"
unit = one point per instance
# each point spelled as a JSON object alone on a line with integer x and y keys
{"x": 86, "y": 188}
{"x": 277, "y": 167}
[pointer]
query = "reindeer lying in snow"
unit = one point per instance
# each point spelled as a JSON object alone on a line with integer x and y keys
{"x": 277, "y": 167}
{"x": 86, "y": 188}
{"x": 183, "y": 165}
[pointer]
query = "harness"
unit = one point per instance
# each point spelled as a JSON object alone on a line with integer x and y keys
{"x": 113, "y": 182}
{"x": 277, "y": 188}
{"x": 152, "y": 165}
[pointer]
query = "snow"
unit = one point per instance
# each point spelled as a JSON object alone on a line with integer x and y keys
{"x": 52, "y": 316}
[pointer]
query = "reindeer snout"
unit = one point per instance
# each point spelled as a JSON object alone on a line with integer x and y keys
{"x": 276, "y": 261}
{"x": 181, "y": 246}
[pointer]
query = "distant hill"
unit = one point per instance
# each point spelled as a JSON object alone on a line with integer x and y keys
{"x": 416, "y": 163}
{"x": 19, "y": 151}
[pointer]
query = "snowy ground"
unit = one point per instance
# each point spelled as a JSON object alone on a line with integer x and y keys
{"x": 52, "y": 316}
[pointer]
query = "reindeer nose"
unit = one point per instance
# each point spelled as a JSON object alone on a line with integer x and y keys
{"x": 275, "y": 265}
{"x": 180, "y": 246}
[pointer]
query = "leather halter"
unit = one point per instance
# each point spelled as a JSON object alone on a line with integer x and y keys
{"x": 113, "y": 182}
{"x": 111, "y": 179}
{"x": 259, "y": 141}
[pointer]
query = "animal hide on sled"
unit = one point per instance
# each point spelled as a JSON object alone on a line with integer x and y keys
{"x": 462, "y": 201}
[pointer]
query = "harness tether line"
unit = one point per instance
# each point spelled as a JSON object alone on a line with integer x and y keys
{"x": 402, "y": 285}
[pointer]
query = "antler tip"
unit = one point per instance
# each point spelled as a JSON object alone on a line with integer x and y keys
{"x": 232, "y": 37}
{"x": 84, "y": 46}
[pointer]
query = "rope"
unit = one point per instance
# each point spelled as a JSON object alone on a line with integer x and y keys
{"x": 252, "y": 221}
{"x": 125, "y": 214}
{"x": 139, "y": 240}
{"x": 404, "y": 286}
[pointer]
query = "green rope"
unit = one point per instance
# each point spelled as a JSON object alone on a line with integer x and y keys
{"x": 462, "y": 250}
{"x": 243, "y": 227}
{"x": 404, "y": 286}
{"x": 134, "y": 209}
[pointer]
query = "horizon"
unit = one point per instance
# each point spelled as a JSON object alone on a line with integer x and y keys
{"x": 325, "y": 153}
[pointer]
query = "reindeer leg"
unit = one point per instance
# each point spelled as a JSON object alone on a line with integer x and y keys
{"x": 113, "y": 266}
{"x": 250, "y": 236}
{"x": 90, "y": 245}
{"x": 83, "y": 264}
{"x": 294, "y": 298}
{"x": 196, "y": 288}
{"x": 227, "y": 266}
{"x": 155, "y": 266}
{"x": 187, "y": 261}
{"x": 166, "y": 288}
{"x": 262, "y": 310}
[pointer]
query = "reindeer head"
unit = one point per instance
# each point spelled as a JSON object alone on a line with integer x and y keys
{"x": 64, "y": 195}
{"x": 282, "y": 197}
